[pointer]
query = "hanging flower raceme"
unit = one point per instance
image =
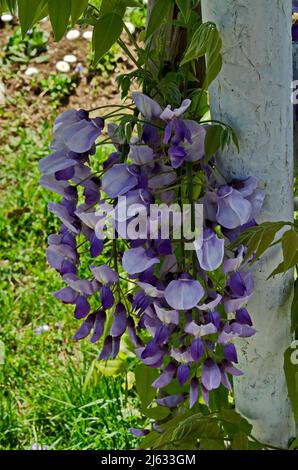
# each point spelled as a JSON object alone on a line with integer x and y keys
{"x": 186, "y": 307}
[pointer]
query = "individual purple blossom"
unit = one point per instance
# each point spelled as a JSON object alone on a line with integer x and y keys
{"x": 295, "y": 32}
{"x": 197, "y": 349}
{"x": 119, "y": 180}
{"x": 169, "y": 317}
{"x": 82, "y": 307}
{"x": 139, "y": 432}
{"x": 194, "y": 392}
{"x": 234, "y": 264}
{"x": 183, "y": 374}
{"x": 149, "y": 108}
{"x": 210, "y": 250}
{"x": 106, "y": 297}
{"x": 240, "y": 286}
{"x": 66, "y": 218}
{"x": 169, "y": 114}
{"x": 141, "y": 302}
{"x": 194, "y": 150}
{"x": 104, "y": 274}
{"x": 233, "y": 209}
{"x": 107, "y": 349}
{"x": 166, "y": 377}
{"x": 183, "y": 294}
{"x": 56, "y": 161}
{"x": 183, "y": 357}
{"x": 134, "y": 338}
{"x": 242, "y": 316}
{"x": 171, "y": 401}
{"x": 155, "y": 360}
{"x": 81, "y": 136}
{"x": 137, "y": 260}
{"x": 85, "y": 327}
{"x": 211, "y": 376}
{"x": 211, "y": 304}
{"x": 98, "y": 329}
{"x": 200, "y": 330}
{"x": 230, "y": 353}
{"x": 115, "y": 346}
{"x": 141, "y": 154}
{"x": 120, "y": 321}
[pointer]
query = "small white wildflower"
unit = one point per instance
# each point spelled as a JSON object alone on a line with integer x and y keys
{"x": 131, "y": 27}
{"x": 31, "y": 71}
{"x": 70, "y": 58}
{"x": 73, "y": 34}
{"x": 87, "y": 35}
{"x": 39, "y": 330}
{"x": 62, "y": 66}
{"x": 37, "y": 446}
{"x": 6, "y": 17}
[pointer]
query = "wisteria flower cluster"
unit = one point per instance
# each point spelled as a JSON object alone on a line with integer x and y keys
{"x": 186, "y": 307}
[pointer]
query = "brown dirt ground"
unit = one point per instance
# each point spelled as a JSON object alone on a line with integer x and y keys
{"x": 30, "y": 105}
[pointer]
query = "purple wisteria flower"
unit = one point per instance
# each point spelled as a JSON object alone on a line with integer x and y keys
{"x": 182, "y": 310}
{"x": 210, "y": 250}
{"x": 184, "y": 293}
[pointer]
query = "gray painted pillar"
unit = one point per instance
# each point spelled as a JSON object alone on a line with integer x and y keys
{"x": 295, "y": 77}
{"x": 252, "y": 94}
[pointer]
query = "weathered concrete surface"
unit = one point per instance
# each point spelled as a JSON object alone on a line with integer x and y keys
{"x": 252, "y": 94}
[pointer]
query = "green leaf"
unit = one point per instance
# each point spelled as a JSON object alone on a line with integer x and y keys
{"x": 291, "y": 371}
{"x": 206, "y": 40}
{"x": 149, "y": 440}
{"x": 59, "y": 12}
{"x": 294, "y": 310}
{"x": 30, "y": 11}
{"x": 290, "y": 248}
{"x": 233, "y": 422}
{"x": 8, "y": 4}
{"x": 294, "y": 444}
{"x": 240, "y": 441}
{"x": 112, "y": 6}
{"x": 235, "y": 140}
{"x": 210, "y": 437}
{"x": 213, "y": 57}
{"x": 258, "y": 239}
{"x": 144, "y": 378}
{"x": 289, "y": 243}
{"x": 157, "y": 412}
{"x": 111, "y": 368}
{"x": 185, "y": 9}
{"x": 77, "y": 9}
{"x": 213, "y": 141}
{"x": 106, "y": 32}
{"x": 199, "y": 43}
{"x": 159, "y": 13}
{"x": 131, "y": 3}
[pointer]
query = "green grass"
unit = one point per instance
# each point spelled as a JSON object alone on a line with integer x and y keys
{"x": 42, "y": 394}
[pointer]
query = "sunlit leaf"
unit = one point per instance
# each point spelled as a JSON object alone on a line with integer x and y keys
{"x": 111, "y": 368}
{"x": 77, "y": 9}
{"x": 212, "y": 141}
{"x": 30, "y": 11}
{"x": 291, "y": 371}
{"x": 59, "y": 15}
{"x": 106, "y": 32}
{"x": 294, "y": 309}
{"x": 159, "y": 13}
{"x": 144, "y": 378}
